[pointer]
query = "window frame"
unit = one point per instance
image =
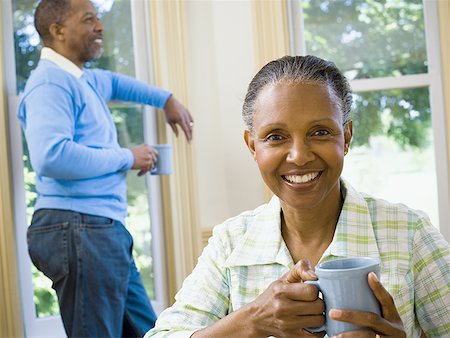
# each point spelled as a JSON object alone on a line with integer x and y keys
{"x": 432, "y": 79}
{"x": 51, "y": 326}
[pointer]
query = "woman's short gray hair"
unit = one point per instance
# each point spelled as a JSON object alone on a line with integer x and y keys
{"x": 299, "y": 69}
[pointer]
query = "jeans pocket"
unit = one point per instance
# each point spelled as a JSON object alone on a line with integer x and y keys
{"x": 48, "y": 249}
{"x": 90, "y": 221}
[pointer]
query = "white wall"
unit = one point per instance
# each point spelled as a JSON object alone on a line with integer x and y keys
{"x": 220, "y": 65}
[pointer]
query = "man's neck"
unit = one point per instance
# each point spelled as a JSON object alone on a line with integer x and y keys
{"x": 60, "y": 60}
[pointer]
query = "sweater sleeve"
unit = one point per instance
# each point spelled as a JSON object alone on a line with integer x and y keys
{"x": 48, "y": 114}
{"x": 115, "y": 86}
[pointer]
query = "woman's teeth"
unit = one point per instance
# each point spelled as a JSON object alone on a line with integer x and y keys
{"x": 301, "y": 178}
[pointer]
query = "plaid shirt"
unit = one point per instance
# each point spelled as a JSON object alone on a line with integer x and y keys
{"x": 247, "y": 253}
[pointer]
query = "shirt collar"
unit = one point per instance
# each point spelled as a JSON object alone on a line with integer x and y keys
{"x": 61, "y": 61}
{"x": 354, "y": 235}
{"x": 263, "y": 243}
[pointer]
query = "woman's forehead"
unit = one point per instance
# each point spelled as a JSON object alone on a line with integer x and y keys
{"x": 301, "y": 100}
{"x": 303, "y": 93}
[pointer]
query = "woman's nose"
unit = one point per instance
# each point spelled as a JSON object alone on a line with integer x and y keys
{"x": 300, "y": 153}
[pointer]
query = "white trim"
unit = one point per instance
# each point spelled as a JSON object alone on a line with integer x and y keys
{"x": 296, "y": 27}
{"x": 438, "y": 115}
{"x": 144, "y": 72}
{"x": 33, "y": 326}
{"x": 8, "y": 49}
{"x": 391, "y": 82}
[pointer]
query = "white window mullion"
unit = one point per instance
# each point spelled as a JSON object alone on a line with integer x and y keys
{"x": 386, "y": 83}
{"x": 143, "y": 54}
{"x": 438, "y": 114}
{"x": 33, "y": 325}
{"x": 296, "y": 27}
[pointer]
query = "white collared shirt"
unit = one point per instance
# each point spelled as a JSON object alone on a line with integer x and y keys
{"x": 49, "y": 54}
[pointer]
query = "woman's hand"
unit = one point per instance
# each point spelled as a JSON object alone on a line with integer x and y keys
{"x": 288, "y": 306}
{"x": 389, "y": 325}
{"x": 284, "y": 309}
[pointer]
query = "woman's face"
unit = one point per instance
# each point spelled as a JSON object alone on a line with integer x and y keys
{"x": 299, "y": 142}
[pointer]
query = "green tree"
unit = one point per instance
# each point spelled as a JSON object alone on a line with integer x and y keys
{"x": 370, "y": 39}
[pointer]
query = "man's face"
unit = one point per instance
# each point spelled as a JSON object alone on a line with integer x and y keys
{"x": 82, "y": 33}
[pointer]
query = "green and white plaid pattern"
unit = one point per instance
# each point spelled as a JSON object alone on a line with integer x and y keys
{"x": 246, "y": 253}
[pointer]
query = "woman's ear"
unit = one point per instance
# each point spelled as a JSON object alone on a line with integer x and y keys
{"x": 348, "y": 132}
{"x": 250, "y": 141}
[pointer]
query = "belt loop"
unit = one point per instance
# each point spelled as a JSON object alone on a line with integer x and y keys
{"x": 77, "y": 219}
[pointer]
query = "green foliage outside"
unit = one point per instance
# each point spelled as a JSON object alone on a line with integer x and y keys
{"x": 371, "y": 39}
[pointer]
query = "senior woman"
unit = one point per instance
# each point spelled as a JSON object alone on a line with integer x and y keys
{"x": 249, "y": 279}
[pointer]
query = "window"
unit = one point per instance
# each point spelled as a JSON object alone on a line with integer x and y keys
{"x": 388, "y": 52}
{"x": 135, "y": 123}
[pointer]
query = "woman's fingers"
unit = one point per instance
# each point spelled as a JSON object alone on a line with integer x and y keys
{"x": 361, "y": 318}
{"x": 388, "y": 309}
{"x": 357, "y": 334}
{"x": 300, "y": 272}
{"x": 370, "y": 320}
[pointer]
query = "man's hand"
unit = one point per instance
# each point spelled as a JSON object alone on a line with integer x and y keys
{"x": 176, "y": 113}
{"x": 144, "y": 158}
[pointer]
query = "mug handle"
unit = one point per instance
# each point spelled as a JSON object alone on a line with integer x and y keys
{"x": 320, "y": 328}
{"x": 154, "y": 167}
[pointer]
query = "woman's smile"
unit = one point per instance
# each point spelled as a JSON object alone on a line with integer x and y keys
{"x": 301, "y": 179}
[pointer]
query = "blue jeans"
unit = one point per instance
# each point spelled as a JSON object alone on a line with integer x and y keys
{"x": 89, "y": 260}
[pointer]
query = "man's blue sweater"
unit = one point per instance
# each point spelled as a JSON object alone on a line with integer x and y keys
{"x": 72, "y": 139}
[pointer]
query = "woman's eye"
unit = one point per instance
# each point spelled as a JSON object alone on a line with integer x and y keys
{"x": 321, "y": 132}
{"x": 274, "y": 137}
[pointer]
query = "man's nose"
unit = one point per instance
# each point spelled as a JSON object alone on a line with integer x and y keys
{"x": 98, "y": 26}
{"x": 300, "y": 153}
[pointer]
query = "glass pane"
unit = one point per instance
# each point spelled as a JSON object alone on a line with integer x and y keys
{"x": 392, "y": 148}
{"x": 118, "y": 56}
{"x": 26, "y": 40}
{"x": 117, "y": 37}
{"x": 118, "y": 46}
{"x": 367, "y": 38}
{"x": 129, "y": 122}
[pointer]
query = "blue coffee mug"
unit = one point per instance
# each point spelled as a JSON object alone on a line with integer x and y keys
{"x": 343, "y": 284}
{"x": 163, "y": 164}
